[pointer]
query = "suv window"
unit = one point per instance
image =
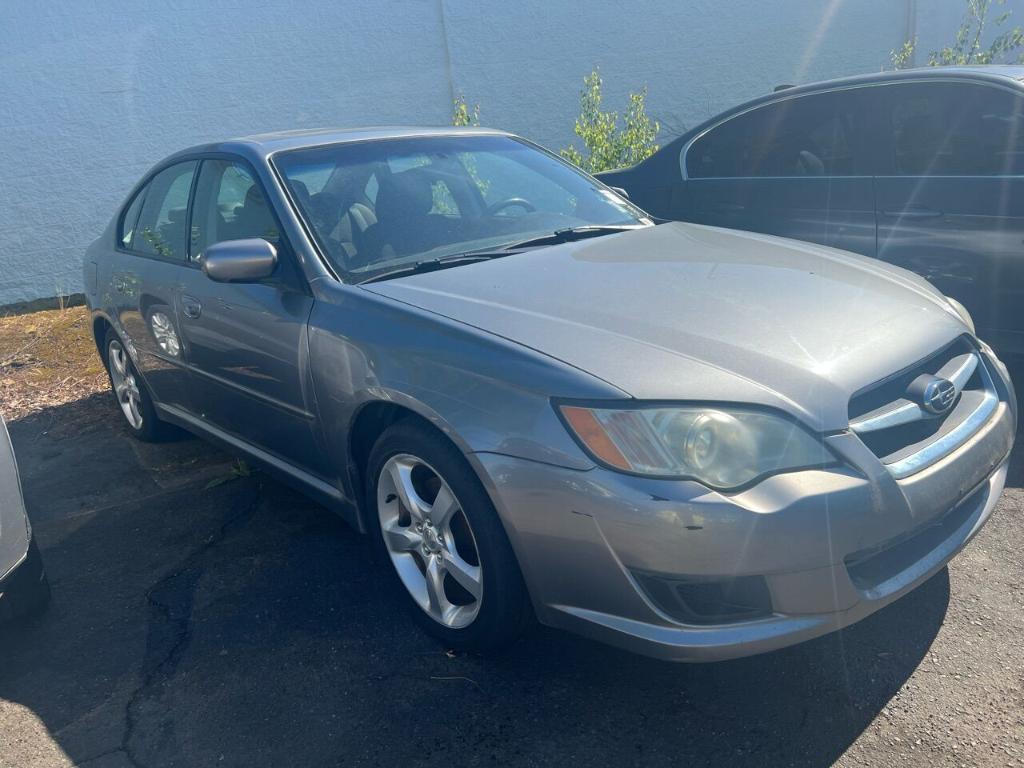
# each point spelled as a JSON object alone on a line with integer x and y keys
{"x": 956, "y": 129}
{"x": 163, "y": 221}
{"x": 230, "y": 205}
{"x": 803, "y": 136}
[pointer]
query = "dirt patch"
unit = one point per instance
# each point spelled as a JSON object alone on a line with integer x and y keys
{"x": 47, "y": 359}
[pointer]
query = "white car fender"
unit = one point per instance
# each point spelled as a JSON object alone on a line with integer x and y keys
{"x": 15, "y": 532}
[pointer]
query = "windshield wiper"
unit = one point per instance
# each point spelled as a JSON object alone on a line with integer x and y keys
{"x": 570, "y": 234}
{"x": 432, "y": 265}
{"x": 485, "y": 254}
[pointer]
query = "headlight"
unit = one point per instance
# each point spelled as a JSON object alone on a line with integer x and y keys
{"x": 964, "y": 314}
{"x": 723, "y": 448}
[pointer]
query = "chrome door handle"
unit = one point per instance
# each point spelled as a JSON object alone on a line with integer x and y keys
{"x": 192, "y": 308}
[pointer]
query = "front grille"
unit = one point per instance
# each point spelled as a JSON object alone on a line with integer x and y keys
{"x": 894, "y": 422}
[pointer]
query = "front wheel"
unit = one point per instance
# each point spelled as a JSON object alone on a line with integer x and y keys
{"x": 440, "y": 531}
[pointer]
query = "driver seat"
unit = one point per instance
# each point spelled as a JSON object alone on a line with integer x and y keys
{"x": 404, "y": 223}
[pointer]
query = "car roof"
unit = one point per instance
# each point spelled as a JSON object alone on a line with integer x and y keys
{"x": 999, "y": 74}
{"x": 260, "y": 146}
{"x": 972, "y": 71}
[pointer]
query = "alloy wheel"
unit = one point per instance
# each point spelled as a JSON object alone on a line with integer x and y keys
{"x": 429, "y": 540}
{"x": 126, "y": 388}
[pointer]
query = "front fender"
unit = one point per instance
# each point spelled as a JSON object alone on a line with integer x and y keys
{"x": 486, "y": 393}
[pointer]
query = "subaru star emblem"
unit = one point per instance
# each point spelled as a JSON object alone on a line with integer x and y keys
{"x": 938, "y": 396}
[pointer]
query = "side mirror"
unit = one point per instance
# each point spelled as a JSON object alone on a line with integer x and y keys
{"x": 240, "y": 261}
{"x": 620, "y": 191}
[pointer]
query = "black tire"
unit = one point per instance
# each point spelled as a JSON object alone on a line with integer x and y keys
{"x": 504, "y": 609}
{"x": 152, "y": 430}
{"x": 26, "y": 592}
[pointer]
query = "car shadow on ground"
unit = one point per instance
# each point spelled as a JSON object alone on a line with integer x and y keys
{"x": 199, "y": 622}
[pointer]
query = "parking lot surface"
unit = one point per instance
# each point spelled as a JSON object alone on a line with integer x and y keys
{"x": 204, "y": 615}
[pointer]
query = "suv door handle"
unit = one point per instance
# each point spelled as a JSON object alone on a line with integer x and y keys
{"x": 192, "y": 307}
{"x": 913, "y": 213}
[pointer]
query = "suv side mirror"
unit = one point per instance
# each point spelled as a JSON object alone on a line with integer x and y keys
{"x": 240, "y": 261}
{"x": 620, "y": 191}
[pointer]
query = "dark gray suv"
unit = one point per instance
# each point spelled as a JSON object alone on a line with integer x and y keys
{"x": 692, "y": 442}
{"x": 921, "y": 168}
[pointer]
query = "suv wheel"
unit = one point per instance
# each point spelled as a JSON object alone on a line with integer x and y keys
{"x": 435, "y": 522}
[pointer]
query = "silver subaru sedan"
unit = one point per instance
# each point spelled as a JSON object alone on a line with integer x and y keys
{"x": 690, "y": 442}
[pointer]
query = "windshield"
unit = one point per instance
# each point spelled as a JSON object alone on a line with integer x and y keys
{"x": 375, "y": 206}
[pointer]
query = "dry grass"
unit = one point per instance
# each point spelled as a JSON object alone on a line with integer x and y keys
{"x": 47, "y": 359}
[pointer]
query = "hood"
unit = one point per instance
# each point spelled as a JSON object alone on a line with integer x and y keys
{"x": 689, "y": 312}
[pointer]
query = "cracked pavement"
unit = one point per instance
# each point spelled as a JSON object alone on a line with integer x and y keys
{"x": 244, "y": 625}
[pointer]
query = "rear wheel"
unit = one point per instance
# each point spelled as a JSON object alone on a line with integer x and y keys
{"x": 133, "y": 398}
{"x": 437, "y": 527}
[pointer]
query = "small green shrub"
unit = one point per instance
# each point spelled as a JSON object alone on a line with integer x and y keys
{"x": 605, "y": 145}
{"x": 967, "y": 47}
{"x": 463, "y": 115}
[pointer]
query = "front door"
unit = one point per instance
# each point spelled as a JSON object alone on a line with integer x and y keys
{"x": 792, "y": 168}
{"x": 950, "y": 196}
{"x": 246, "y": 343}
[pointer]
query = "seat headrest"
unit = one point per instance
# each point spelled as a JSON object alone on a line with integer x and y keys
{"x": 809, "y": 164}
{"x": 254, "y": 197}
{"x": 404, "y": 194}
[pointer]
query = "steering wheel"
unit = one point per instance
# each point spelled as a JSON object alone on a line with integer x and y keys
{"x": 509, "y": 203}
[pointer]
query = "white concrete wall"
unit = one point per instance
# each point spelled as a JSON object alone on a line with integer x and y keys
{"x": 92, "y": 93}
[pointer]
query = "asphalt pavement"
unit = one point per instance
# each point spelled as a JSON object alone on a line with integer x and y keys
{"x": 203, "y": 616}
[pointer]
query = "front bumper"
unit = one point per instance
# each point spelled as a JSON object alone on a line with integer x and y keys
{"x": 831, "y": 546}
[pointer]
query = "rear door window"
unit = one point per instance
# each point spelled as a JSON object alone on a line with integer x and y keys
{"x": 163, "y": 221}
{"x": 955, "y": 129}
{"x": 803, "y": 136}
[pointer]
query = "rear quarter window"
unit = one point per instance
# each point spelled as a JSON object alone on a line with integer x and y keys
{"x": 129, "y": 218}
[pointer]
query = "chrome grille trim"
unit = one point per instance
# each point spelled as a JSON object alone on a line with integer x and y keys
{"x": 907, "y": 412}
{"x": 948, "y": 442}
{"x": 901, "y": 414}
{"x": 963, "y": 374}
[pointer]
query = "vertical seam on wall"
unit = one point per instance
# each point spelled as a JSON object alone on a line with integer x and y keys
{"x": 911, "y": 32}
{"x": 447, "y": 54}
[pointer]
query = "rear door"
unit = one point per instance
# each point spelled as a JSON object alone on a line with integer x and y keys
{"x": 146, "y": 269}
{"x": 246, "y": 343}
{"x": 793, "y": 167}
{"x": 950, "y": 196}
